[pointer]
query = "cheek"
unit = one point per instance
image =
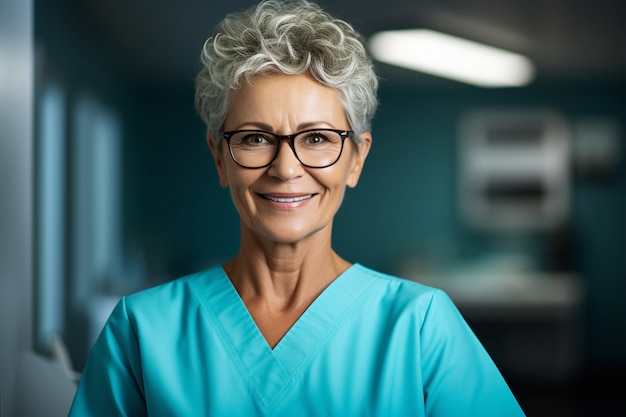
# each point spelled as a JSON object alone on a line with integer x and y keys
{"x": 335, "y": 184}
{"x": 241, "y": 199}
{"x": 239, "y": 182}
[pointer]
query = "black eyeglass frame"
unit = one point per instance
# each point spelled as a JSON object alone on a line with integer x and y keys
{"x": 280, "y": 138}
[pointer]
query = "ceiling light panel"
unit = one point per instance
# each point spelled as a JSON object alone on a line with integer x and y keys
{"x": 450, "y": 57}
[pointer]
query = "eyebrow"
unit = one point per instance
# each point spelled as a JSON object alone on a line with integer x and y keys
{"x": 300, "y": 127}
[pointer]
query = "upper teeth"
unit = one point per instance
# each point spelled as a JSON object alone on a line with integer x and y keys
{"x": 288, "y": 200}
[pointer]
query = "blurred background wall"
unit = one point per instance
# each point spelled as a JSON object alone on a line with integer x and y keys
{"x": 126, "y": 196}
{"x": 16, "y": 200}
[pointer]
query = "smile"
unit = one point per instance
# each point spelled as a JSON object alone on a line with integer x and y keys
{"x": 287, "y": 200}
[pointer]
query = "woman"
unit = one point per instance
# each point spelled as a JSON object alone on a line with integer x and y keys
{"x": 288, "y": 327}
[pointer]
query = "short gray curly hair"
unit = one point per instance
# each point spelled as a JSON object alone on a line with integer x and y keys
{"x": 289, "y": 37}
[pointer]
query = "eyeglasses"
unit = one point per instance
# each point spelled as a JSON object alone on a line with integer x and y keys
{"x": 314, "y": 148}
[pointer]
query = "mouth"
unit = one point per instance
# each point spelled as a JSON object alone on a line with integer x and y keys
{"x": 286, "y": 199}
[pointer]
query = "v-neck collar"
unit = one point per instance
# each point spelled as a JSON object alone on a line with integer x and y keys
{"x": 270, "y": 370}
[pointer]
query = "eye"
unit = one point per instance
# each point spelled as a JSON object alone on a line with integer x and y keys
{"x": 320, "y": 140}
{"x": 315, "y": 138}
{"x": 255, "y": 139}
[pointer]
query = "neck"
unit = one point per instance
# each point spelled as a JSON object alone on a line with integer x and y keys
{"x": 278, "y": 282}
{"x": 284, "y": 275}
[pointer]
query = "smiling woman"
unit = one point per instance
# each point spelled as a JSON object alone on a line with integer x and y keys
{"x": 288, "y": 327}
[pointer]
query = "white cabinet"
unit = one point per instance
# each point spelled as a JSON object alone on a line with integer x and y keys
{"x": 514, "y": 170}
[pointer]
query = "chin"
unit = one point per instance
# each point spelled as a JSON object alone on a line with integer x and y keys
{"x": 295, "y": 235}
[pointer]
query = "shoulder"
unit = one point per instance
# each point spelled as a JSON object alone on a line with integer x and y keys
{"x": 170, "y": 295}
{"x": 382, "y": 277}
{"x": 394, "y": 285}
{"x": 405, "y": 295}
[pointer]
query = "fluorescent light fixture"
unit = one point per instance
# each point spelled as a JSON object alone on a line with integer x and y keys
{"x": 447, "y": 56}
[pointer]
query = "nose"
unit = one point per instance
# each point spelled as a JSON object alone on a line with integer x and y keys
{"x": 285, "y": 166}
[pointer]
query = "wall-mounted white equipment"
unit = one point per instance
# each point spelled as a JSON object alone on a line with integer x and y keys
{"x": 514, "y": 170}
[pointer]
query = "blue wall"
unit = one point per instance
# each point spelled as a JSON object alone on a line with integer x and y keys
{"x": 407, "y": 199}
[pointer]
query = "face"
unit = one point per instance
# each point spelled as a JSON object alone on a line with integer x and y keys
{"x": 287, "y": 202}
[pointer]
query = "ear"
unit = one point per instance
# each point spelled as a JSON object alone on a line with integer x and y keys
{"x": 216, "y": 151}
{"x": 362, "y": 149}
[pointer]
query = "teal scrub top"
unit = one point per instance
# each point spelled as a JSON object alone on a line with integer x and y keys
{"x": 369, "y": 345}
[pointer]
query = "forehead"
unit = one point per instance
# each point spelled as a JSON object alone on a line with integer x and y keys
{"x": 285, "y": 101}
